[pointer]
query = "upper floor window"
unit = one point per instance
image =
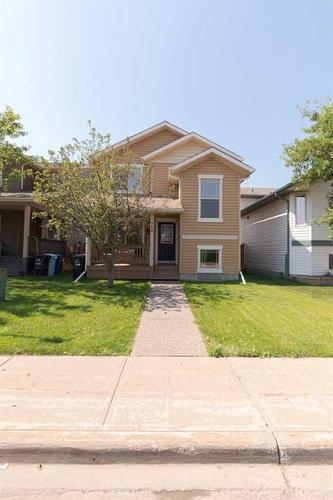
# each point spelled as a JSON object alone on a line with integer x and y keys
{"x": 132, "y": 179}
{"x": 210, "y": 198}
{"x": 300, "y": 209}
{"x": 135, "y": 179}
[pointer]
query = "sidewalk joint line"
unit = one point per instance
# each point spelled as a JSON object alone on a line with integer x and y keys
{"x": 114, "y": 392}
{"x": 6, "y": 361}
{"x": 257, "y": 405}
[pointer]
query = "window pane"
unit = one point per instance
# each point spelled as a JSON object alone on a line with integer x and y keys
{"x": 167, "y": 234}
{"x": 209, "y": 209}
{"x": 134, "y": 180}
{"x": 300, "y": 210}
{"x": 210, "y": 188}
{"x": 209, "y": 258}
{"x": 330, "y": 261}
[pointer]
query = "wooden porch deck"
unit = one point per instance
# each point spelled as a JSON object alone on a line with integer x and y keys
{"x": 136, "y": 272}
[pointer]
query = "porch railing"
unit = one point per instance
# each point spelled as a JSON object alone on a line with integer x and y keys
{"x": 40, "y": 245}
{"x": 133, "y": 255}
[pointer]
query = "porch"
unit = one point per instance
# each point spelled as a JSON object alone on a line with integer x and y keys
{"x": 153, "y": 253}
{"x": 22, "y": 236}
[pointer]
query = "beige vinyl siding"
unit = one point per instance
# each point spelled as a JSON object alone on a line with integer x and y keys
{"x": 189, "y": 255}
{"x": 264, "y": 232}
{"x": 153, "y": 142}
{"x": 182, "y": 152}
{"x": 161, "y": 165}
{"x": 161, "y": 187}
{"x": 189, "y": 224}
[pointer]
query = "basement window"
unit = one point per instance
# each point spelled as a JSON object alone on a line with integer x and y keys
{"x": 209, "y": 259}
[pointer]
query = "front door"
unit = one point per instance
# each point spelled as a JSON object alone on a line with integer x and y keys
{"x": 166, "y": 242}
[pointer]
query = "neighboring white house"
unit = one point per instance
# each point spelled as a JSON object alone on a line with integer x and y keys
{"x": 281, "y": 235}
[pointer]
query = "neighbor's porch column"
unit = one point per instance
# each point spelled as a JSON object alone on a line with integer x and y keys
{"x": 151, "y": 250}
{"x": 88, "y": 252}
{"x": 26, "y": 231}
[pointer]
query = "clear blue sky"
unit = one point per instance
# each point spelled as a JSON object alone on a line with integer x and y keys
{"x": 233, "y": 70}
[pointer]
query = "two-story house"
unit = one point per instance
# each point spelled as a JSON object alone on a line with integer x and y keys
{"x": 194, "y": 230}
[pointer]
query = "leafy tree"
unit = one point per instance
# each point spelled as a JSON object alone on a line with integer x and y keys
{"x": 311, "y": 157}
{"x": 89, "y": 187}
{"x": 12, "y": 155}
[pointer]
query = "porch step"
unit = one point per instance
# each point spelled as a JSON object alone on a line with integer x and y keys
{"x": 166, "y": 273}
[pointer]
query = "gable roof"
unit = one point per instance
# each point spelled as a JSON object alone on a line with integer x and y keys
{"x": 235, "y": 164}
{"x": 187, "y": 138}
{"x": 165, "y": 125}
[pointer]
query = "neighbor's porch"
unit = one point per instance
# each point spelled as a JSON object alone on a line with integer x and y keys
{"x": 21, "y": 235}
{"x": 153, "y": 252}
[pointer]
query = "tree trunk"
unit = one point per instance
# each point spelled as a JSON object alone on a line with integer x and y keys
{"x": 110, "y": 270}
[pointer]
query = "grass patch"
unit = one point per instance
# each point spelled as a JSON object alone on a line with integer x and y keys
{"x": 267, "y": 317}
{"x": 55, "y": 316}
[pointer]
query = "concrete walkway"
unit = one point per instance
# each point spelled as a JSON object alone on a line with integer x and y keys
{"x": 167, "y": 326}
{"x": 117, "y": 409}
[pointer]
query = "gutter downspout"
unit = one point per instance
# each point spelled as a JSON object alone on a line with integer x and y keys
{"x": 287, "y": 260}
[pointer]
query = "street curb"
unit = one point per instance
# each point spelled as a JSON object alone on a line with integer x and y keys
{"x": 305, "y": 447}
{"x": 106, "y": 447}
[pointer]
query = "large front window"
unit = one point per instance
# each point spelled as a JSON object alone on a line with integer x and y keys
{"x": 209, "y": 259}
{"x": 210, "y": 198}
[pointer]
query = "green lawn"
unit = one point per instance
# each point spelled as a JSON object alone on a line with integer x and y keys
{"x": 267, "y": 317}
{"x": 55, "y": 316}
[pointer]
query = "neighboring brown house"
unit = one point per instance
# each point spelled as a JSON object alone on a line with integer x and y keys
{"x": 21, "y": 236}
{"x": 194, "y": 232}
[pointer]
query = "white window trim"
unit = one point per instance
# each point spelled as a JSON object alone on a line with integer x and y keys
{"x": 217, "y": 270}
{"x": 210, "y": 219}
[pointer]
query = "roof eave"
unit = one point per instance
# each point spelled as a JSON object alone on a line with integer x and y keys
{"x": 155, "y": 128}
{"x": 269, "y": 198}
{"x": 236, "y": 164}
{"x": 190, "y": 136}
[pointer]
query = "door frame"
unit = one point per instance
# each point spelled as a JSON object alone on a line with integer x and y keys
{"x": 176, "y": 235}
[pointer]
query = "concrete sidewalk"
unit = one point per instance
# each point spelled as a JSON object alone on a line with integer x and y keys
{"x": 167, "y": 326}
{"x": 116, "y": 409}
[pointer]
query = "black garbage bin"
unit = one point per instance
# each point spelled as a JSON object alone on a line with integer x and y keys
{"x": 78, "y": 265}
{"x": 41, "y": 265}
